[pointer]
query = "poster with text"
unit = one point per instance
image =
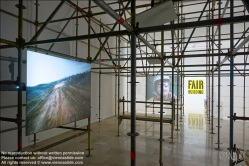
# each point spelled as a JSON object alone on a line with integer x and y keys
{"x": 196, "y": 87}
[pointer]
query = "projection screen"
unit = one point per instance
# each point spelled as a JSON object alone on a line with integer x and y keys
{"x": 153, "y": 88}
{"x": 58, "y": 92}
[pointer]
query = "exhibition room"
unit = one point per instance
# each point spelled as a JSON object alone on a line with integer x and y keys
{"x": 124, "y": 82}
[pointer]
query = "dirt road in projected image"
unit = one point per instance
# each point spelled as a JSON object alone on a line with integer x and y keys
{"x": 62, "y": 103}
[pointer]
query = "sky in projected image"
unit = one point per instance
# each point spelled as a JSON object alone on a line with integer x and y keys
{"x": 46, "y": 69}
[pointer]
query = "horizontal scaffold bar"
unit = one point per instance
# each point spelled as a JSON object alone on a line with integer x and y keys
{"x": 185, "y": 56}
{"x": 196, "y": 24}
{"x": 157, "y": 66}
{"x": 151, "y": 102}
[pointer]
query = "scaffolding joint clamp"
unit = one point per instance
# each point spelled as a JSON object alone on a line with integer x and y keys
{"x": 36, "y": 23}
{"x": 89, "y": 60}
{"x": 20, "y": 42}
{"x": 132, "y": 135}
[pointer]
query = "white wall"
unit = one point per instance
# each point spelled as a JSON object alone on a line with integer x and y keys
{"x": 9, "y": 31}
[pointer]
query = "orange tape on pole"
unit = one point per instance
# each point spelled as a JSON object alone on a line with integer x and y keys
{"x": 133, "y": 155}
{"x": 218, "y": 21}
{"x": 121, "y": 21}
{"x": 19, "y": 144}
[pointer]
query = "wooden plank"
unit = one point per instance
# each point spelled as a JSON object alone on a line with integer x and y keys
{"x": 146, "y": 118}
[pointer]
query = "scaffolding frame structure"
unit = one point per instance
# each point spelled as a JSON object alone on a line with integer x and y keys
{"x": 175, "y": 61}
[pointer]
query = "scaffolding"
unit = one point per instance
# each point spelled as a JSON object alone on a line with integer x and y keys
{"x": 133, "y": 36}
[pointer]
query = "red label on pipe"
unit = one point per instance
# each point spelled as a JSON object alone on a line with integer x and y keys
{"x": 180, "y": 56}
{"x": 89, "y": 119}
{"x": 19, "y": 144}
{"x": 218, "y": 21}
{"x": 102, "y": 60}
{"x": 121, "y": 21}
{"x": 133, "y": 155}
{"x": 118, "y": 108}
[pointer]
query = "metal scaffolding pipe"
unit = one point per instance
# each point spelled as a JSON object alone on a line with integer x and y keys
{"x": 178, "y": 52}
{"x": 64, "y": 29}
{"x": 233, "y": 52}
{"x": 219, "y": 84}
{"x": 112, "y": 13}
{"x": 231, "y": 83}
{"x": 8, "y": 42}
{"x": 246, "y": 3}
{"x": 133, "y": 133}
{"x": 196, "y": 41}
{"x": 99, "y": 78}
{"x": 223, "y": 13}
{"x": 212, "y": 113}
{"x": 118, "y": 54}
{"x": 19, "y": 78}
{"x": 187, "y": 56}
{"x": 47, "y": 21}
{"x": 103, "y": 44}
{"x": 194, "y": 65}
{"x": 89, "y": 142}
{"x": 124, "y": 23}
{"x": 193, "y": 31}
{"x": 239, "y": 19}
{"x": 161, "y": 103}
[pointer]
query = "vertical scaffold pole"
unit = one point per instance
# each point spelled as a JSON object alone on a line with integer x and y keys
{"x": 219, "y": 84}
{"x": 77, "y": 26}
{"x": 183, "y": 108}
{"x": 231, "y": 80}
{"x": 172, "y": 86}
{"x": 133, "y": 85}
{"x": 127, "y": 86}
{"x": 244, "y": 87}
{"x": 212, "y": 116}
{"x": 178, "y": 74}
{"x": 161, "y": 102}
{"x": 146, "y": 79}
{"x": 36, "y": 29}
{"x": 89, "y": 53}
{"x": 181, "y": 66}
{"x": 100, "y": 74}
{"x": 116, "y": 78}
{"x": 123, "y": 105}
{"x": 20, "y": 40}
{"x": 207, "y": 72}
{"x": 154, "y": 40}
{"x": 118, "y": 75}
{"x": 209, "y": 80}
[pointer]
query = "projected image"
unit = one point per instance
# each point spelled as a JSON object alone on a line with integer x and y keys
{"x": 58, "y": 92}
{"x": 153, "y": 88}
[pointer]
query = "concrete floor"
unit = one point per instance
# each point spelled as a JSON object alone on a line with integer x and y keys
{"x": 193, "y": 144}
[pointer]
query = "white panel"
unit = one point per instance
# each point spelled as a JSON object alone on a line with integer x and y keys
{"x": 154, "y": 61}
{"x": 157, "y": 15}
